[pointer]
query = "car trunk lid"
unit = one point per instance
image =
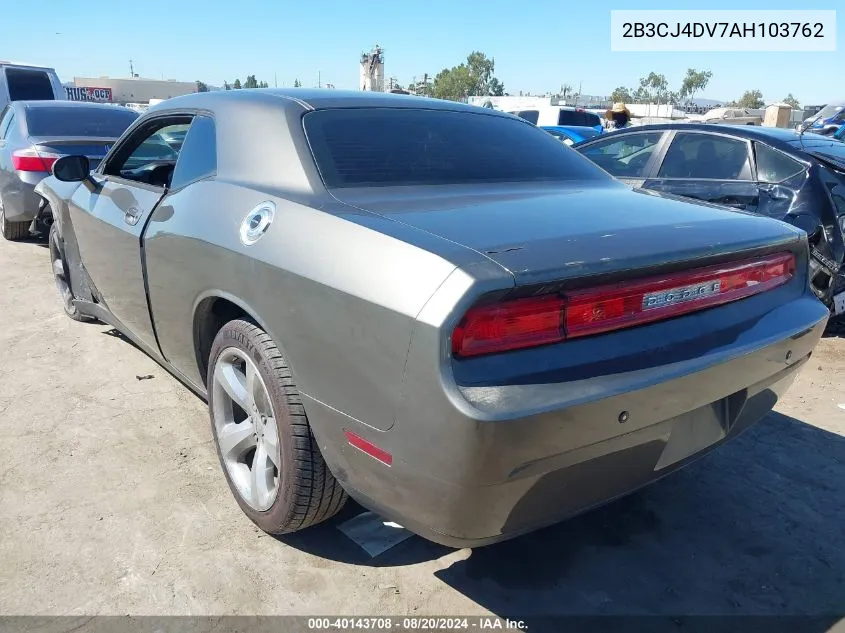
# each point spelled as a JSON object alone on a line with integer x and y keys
{"x": 95, "y": 149}
{"x": 562, "y": 232}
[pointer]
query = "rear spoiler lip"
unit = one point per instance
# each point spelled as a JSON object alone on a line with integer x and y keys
{"x": 830, "y": 162}
{"x": 72, "y": 140}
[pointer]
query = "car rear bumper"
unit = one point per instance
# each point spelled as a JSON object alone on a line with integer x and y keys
{"x": 463, "y": 478}
{"x": 20, "y": 202}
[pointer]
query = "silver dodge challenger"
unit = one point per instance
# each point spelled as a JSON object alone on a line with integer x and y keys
{"x": 435, "y": 309}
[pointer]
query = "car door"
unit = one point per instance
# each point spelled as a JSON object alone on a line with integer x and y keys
{"x": 628, "y": 156}
{"x": 779, "y": 179}
{"x": 109, "y": 218}
{"x": 708, "y": 166}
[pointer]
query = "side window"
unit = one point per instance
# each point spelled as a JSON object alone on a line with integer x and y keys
{"x": 146, "y": 156}
{"x": 774, "y": 166}
{"x": 706, "y": 156}
{"x": 529, "y": 115}
{"x": 29, "y": 85}
{"x": 198, "y": 155}
{"x": 6, "y": 121}
{"x": 566, "y": 117}
{"x": 625, "y": 157}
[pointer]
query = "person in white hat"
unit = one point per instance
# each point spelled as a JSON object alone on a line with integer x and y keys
{"x": 618, "y": 116}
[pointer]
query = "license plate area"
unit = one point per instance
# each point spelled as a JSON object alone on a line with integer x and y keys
{"x": 694, "y": 432}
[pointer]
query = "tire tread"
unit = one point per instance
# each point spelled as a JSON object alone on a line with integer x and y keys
{"x": 313, "y": 494}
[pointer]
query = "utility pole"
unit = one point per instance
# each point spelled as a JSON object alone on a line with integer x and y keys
{"x": 131, "y": 70}
{"x": 275, "y": 81}
{"x": 319, "y": 79}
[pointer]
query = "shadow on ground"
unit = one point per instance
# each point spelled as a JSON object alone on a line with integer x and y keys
{"x": 38, "y": 240}
{"x": 756, "y": 528}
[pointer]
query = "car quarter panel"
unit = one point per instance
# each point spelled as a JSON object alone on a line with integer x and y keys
{"x": 338, "y": 294}
{"x": 534, "y": 440}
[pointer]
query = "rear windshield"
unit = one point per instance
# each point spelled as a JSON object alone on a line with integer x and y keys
{"x": 371, "y": 147}
{"x": 574, "y": 117}
{"x": 81, "y": 121}
{"x": 29, "y": 85}
{"x": 828, "y": 111}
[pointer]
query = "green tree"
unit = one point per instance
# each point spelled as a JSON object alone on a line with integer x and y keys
{"x": 792, "y": 102}
{"x": 642, "y": 94}
{"x": 297, "y": 83}
{"x": 751, "y": 99}
{"x": 237, "y": 84}
{"x": 657, "y": 86}
{"x": 251, "y": 82}
{"x": 694, "y": 82}
{"x": 201, "y": 86}
{"x": 497, "y": 88}
{"x": 621, "y": 93}
{"x": 263, "y": 84}
{"x": 472, "y": 78}
{"x": 454, "y": 84}
{"x": 481, "y": 75}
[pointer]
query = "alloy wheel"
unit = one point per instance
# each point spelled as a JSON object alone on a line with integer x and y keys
{"x": 245, "y": 426}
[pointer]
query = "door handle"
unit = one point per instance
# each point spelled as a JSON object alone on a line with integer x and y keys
{"x": 132, "y": 215}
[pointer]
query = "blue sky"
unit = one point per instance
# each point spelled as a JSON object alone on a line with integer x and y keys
{"x": 537, "y": 45}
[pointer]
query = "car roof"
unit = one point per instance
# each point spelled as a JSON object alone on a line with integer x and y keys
{"x": 573, "y": 128}
{"x": 6, "y": 62}
{"x": 785, "y": 139}
{"x": 772, "y": 135}
{"x": 312, "y": 99}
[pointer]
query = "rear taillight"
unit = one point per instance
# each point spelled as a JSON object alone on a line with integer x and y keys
{"x": 519, "y": 323}
{"x": 31, "y": 160}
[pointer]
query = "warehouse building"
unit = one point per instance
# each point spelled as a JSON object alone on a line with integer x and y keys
{"x": 127, "y": 90}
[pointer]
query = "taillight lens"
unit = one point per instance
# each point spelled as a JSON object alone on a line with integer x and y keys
{"x": 520, "y": 323}
{"x": 31, "y": 160}
{"x": 509, "y": 325}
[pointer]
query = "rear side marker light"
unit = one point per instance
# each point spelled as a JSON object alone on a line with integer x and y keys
{"x": 33, "y": 161}
{"x": 368, "y": 447}
{"x": 520, "y": 323}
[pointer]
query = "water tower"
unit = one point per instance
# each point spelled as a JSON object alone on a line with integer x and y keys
{"x": 372, "y": 70}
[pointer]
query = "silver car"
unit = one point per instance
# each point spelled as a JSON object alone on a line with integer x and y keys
{"x": 732, "y": 116}
{"x": 437, "y": 309}
{"x": 33, "y": 134}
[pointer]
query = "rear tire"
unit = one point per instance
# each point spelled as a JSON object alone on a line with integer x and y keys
{"x": 12, "y": 230}
{"x": 269, "y": 456}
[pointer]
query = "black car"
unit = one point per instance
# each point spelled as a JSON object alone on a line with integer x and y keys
{"x": 768, "y": 171}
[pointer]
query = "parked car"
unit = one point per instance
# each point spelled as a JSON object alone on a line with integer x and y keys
{"x": 732, "y": 116}
{"x": 768, "y": 171}
{"x": 430, "y": 307}
{"x": 570, "y": 134}
{"x": 33, "y": 134}
{"x": 560, "y": 115}
{"x": 24, "y": 82}
{"x": 174, "y": 137}
{"x": 826, "y": 121}
{"x": 839, "y": 135}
